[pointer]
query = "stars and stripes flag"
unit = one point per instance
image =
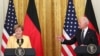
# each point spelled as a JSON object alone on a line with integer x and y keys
{"x": 10, "y": 21}
{"x": 70, "y": 27}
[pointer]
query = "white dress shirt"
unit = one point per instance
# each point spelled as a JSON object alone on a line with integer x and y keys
{"x": 85, "y": 31}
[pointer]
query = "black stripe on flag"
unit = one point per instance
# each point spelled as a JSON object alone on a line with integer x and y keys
{"x": 32, "y": 13}
{"x": 89, "y": 13}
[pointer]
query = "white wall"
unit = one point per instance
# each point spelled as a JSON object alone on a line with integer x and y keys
{"x": 1, "y": 13}
{"x": 3, "y": 9}
{"x": 96, "y": 6}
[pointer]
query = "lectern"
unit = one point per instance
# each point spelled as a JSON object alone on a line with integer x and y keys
{"x": 83, "y": 50}
{"x": 11, "y": 52}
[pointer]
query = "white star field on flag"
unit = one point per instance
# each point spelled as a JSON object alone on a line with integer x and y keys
{"x": 10, "y": 18}
{"x": 70, "y": 25}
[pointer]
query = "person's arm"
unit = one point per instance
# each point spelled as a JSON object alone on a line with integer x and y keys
{"x": 69, "y": 42}
{"x": 73, "y": 39}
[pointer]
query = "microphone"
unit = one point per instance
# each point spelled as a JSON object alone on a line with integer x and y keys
{"x": 20, "y": 41}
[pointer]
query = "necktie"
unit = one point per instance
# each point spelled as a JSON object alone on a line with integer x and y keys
{"x": 82, "y": 36}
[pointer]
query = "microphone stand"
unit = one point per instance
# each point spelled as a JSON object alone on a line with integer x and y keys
{"x": 20, "y": 51}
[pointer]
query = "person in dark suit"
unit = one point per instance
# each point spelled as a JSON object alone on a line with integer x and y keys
{"x": 84, "y": 36}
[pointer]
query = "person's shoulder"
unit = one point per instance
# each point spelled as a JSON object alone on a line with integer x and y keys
{"x": 11, "y": 37}
{"x": 91, "y": 30}
{"x": 25, "y": 36}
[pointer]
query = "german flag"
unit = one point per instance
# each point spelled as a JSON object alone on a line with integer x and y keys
{"x": 32, "y": 28}
{"x": 89, "y": 13}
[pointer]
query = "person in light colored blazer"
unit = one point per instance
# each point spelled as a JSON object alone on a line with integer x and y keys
{"x": 12, "y": 41}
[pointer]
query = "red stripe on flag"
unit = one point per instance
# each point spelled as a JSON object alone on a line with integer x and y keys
{"x": 35, "y": 37}
{"x": 2, "y": 48}
{"x": 63, "y": 52}
{"x": 4, "y": 38}
{"x": 71, "y": 50}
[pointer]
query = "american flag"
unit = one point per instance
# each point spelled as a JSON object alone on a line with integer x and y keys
{"x": 10, "y": 21}
{"x": 70, "y": 27}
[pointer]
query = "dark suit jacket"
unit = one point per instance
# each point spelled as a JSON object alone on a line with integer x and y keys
{"x": 90, "y": 38}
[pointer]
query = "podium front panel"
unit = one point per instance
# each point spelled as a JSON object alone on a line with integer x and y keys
{"x": 83, "y": 50}
{"x": 11, "y": 52}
